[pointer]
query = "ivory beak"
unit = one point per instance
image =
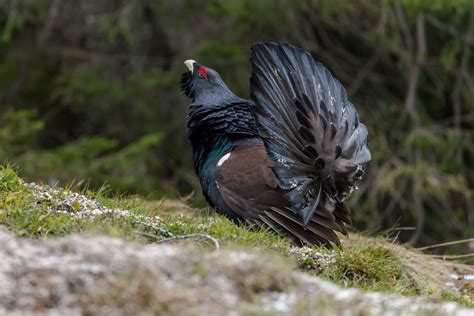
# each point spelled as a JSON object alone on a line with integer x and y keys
{"x": 190, "y": 64}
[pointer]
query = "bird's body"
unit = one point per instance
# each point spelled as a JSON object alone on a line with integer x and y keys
{"x": 288, "y": 158}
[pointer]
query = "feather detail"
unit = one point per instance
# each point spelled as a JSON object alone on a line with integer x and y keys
{"x": 313, "y": 130}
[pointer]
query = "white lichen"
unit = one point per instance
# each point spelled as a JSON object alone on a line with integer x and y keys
{"x": 80, "y": 206}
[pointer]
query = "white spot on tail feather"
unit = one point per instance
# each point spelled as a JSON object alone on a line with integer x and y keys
{"x": 223, "y": 159}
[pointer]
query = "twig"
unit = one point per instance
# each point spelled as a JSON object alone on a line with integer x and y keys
{"x": 410, "y": 101}
{"x": 396, "y": 237}
{"x": 420, "y": 213}
{"x": 404, "y": 27}
{"x": 446, "y": 244}
{"x": 51, "y": 20}
{"x": 452, "y": 257}
{"x": 161, "y": 231}
{"x": 407, "y": 228}
{"x": 170, "y": 236}
{"x": 183, "y": 237}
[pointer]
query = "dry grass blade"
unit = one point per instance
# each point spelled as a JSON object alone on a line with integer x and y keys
{"x": 447, "y": 244}
{"x": 452, "y": 257}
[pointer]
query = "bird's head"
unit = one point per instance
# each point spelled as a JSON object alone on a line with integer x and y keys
{"x": 201, "y": 81}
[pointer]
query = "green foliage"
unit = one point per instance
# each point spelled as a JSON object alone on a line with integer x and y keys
{"x": 96, "y": 159}
{"x": 19, "y": 13}
{"x": 9, "y": 181}
{"x": 16, "y": 131}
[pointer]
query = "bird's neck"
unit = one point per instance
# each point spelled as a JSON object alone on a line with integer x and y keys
{"x": 207, "y": 150}
{"x": 214, "y": 93}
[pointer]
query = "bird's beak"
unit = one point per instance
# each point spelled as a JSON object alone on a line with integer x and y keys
{"x": 190, "y": 64}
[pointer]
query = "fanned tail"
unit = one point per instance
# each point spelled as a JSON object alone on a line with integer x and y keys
{"x": 313, "y": 132}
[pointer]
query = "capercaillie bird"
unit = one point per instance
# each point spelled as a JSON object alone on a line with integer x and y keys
{"x": 286, "y": 159}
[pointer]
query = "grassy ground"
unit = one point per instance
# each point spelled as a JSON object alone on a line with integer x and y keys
{"x": 36, "y": 211}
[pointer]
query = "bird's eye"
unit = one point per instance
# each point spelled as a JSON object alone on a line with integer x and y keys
{"x": 202, "y": 73}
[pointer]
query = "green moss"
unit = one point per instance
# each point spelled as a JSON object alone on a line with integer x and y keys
{"x": 367, "y": 267}
{"x": 371, "y": 267}
{"x": 9, "y": 181}
{"x": 463, "y": 301}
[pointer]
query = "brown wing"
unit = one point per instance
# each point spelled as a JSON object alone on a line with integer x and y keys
{"x": 246, "y": 174}
{"x": 249, "y": 186}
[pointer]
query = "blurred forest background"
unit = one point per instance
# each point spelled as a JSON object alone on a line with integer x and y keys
{"x": 89, "y": 91}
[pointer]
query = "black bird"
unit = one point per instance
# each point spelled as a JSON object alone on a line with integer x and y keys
{"x": 288, "y": 158}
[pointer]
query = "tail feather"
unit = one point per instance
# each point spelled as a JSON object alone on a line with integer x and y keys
{"x": 290, "y": 220}
{"x": 343, "y": 213}
{"x": 292, "y": 229}
{"x": 316, "y": 220}
{"x": 310, "y": 128}
{"x": 275, "y": 226}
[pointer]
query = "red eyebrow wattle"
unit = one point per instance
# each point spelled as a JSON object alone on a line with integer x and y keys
{"x": 203, "y": 71}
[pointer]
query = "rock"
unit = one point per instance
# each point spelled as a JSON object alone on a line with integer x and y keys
{"x": 97, "y": 275}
